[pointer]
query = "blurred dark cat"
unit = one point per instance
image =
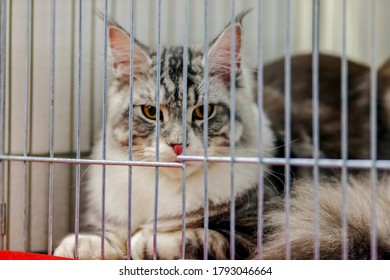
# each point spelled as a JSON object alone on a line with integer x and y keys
{"x": 301, "y": 230}
{"x": 330, "y": 106}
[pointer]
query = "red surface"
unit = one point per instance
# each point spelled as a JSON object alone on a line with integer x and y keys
{"x": 11, "y": 255}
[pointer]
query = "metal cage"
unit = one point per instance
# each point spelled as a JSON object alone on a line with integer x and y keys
{"x": 55, "y": 71}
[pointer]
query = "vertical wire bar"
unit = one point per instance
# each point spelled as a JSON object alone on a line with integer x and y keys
{"x": 91, "y": 73}
{"x": 26, "y": 193}
{"x": 185, "y": 95}
{"x": 260, "y": 94}
{"x": 104, "y": 155}
{"x": 3, "y": 36}
{"x": 78, "y": 128}
{"x": 206, "y": 128}
{"x": 344, "y": 132}
{"x": 373, "y": 135}
{"x": 287, "y": 123}
{"x": 316, "y": 128}
{"x": 52, "y": 115}
{"x": 232, "y": 129}
{"x": 158, "y": 74}
{"x": 130, "y": 147}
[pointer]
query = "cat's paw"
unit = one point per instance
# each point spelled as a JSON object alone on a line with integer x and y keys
{"x": 168, "y": 245}
{"x": 89, "y": 248}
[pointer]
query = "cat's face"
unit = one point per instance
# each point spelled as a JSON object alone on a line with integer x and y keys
{"x": 170, "y": 112}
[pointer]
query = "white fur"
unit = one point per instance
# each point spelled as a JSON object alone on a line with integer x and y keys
{"x": 143, "y": 196}
{"x": 169, "y": 179}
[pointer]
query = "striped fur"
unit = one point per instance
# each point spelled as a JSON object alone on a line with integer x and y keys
{"x": 301, "y": 233}
{"x": 359, "y": 191}
{"x": 143, "y": 127}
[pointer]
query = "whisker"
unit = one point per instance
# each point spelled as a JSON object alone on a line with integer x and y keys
{"x": 272, "y": 184}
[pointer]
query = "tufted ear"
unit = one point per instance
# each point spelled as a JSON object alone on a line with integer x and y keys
{"x": 120, "y": 50}
{"x": 221, "y": 49}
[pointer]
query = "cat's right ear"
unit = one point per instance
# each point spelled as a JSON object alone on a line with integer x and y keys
{"x": 120, "y": 49}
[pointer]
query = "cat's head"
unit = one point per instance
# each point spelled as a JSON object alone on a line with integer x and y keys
{"x": 170, "y": 113}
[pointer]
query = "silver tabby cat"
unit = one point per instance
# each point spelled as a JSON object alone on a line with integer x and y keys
{"x": 170, "y": 146}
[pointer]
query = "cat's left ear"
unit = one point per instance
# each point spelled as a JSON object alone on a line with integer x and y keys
{"x": 220, "y": 53}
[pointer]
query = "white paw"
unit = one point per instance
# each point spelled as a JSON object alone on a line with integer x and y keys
{"x": 168, "y": 245}
{"x": 89, "y": 248}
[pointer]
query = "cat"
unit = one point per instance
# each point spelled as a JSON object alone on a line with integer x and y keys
{"x": 358, "y": 90}
{"x": 330, "y": 112}
{"x": 171, "y": 95}
{"x": 171, "y": 144}
{"x": 301, "y": 212}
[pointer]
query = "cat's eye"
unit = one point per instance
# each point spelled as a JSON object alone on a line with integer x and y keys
{"x": 150, "y": 112}
{"x": 198, "y": 113}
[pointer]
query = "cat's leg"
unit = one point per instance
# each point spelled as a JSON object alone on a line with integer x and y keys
{"x": 169, "y": 244}
{"x": 89, "y": 247}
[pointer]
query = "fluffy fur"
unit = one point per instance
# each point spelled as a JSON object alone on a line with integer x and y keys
{"x": 330, "y": 113}
{"x": 359, "y": 190}
{"x": 301, "y": 226}
{"x": 170, "y": 179}
{"x": 168, "y": 242}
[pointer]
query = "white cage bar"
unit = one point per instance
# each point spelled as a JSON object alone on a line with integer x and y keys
{"x": 344, "y": 132}
{"x": 373, "y": 131}
{"x": 316, "y": 124}
{"x": 260, "y": 93}
{"x": 185, "y": 95}
{"x": 3, "y": 20}
{"x": 131, "y": 93}
{"x": 78, "y": 129}
{"x": 287, "y": 122}
{"x": 52, "y": 127}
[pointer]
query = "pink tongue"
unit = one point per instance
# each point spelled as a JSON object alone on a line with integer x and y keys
{"x": 178, "y": 149}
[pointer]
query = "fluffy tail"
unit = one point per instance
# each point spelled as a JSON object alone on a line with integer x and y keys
{"x": 302, "y": 221}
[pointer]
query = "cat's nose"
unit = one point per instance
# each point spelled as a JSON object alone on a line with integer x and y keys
{"x": 177, "y": 148}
